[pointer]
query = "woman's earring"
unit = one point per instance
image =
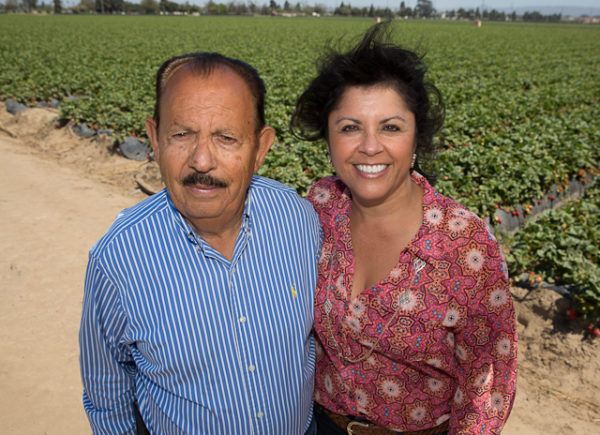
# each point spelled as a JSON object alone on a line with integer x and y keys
{"x": 413, "y": 160}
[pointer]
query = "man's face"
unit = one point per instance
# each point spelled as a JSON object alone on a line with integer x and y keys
{"x": 207, "y": 146}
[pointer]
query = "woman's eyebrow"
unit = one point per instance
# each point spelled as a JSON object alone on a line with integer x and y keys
{"x": 398, "y": 117}
{"x": 347, "y": 118}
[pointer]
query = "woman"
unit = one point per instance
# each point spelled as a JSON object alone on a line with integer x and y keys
{"x": 414, "y": 318}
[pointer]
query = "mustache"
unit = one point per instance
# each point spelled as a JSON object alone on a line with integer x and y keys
{"x": 204, "y": 179}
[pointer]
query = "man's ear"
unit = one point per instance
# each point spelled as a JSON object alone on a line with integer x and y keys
{"x": 266, "y": 137}
{"x": 152, "y": 133}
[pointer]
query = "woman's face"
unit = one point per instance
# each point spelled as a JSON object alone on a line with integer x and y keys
{"x": 371, "y": 142}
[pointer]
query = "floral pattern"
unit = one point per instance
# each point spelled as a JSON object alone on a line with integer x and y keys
{"x": 435, "y": 340}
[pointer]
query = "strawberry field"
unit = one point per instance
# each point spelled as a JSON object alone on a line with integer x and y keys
{"x": 523, "y": 107}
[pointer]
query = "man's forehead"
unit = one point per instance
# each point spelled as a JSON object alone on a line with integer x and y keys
{"x": 221, "y": 80}
{"x": 218, "y": 72}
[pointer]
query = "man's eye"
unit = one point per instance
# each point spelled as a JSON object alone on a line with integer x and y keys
{"x": 227, "y": 139}
{"x": 181, "y": 134}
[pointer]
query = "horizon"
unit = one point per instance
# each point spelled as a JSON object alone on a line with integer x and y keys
{"x": 439, "y": 5}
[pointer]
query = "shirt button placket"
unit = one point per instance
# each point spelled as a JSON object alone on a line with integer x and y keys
{"x": 242, "y": 320}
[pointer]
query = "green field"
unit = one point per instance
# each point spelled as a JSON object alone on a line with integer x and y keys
{"x": 523, "y": 100}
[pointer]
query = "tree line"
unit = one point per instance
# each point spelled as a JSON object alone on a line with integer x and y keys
{"x": 423, "y": 9}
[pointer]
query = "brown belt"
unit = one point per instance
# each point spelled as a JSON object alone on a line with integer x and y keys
{"x": 354, "y": 427}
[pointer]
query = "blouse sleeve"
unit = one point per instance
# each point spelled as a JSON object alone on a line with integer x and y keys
{"x": 486, "y": 350}
{"x": 323, "y": 194}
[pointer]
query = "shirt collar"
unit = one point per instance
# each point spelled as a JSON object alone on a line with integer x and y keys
{"x": 189, "y": 232}
{"x": 430, "y": 200}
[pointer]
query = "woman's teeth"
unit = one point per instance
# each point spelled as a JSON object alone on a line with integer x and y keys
{"x": 371, "y": 169}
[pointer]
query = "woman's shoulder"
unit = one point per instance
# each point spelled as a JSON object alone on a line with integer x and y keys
{"x": 456, "y": 219}
{"x": 460, "y": 237}
{"x": 326, "y": 193}
{"x": 452, "y": 221}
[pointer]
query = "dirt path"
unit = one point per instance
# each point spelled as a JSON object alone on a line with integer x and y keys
{"x": 49, "y": 218}
{"x": 59, "y": 195}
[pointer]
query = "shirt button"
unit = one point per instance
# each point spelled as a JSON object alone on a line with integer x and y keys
{"x": 243, "y": 319}
{"x": 251, "y": 367}
{"x": 260, "y": 414}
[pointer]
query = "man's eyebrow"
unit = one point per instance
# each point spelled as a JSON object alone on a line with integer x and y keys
{"x": 225, "y": 130}
{"x": 177, "y": 125}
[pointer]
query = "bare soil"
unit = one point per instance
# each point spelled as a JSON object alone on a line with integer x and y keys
{"x": 61, "y": 192}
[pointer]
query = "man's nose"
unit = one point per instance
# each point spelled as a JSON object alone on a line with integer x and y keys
{"x": 202, "y": 157}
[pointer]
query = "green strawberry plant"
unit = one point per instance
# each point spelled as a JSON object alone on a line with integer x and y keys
{"x": 563, "y": 247}
{"x": 523, "y": 104}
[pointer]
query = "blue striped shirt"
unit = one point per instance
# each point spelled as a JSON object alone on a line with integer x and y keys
{"x": 205, "y": 345}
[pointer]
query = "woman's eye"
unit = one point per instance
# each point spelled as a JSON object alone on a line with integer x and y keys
{"x": 391, "y": 127}
{"x": 349, "y": 128}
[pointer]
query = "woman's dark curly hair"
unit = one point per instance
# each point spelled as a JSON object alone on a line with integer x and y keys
{"x": 375, "y": 61}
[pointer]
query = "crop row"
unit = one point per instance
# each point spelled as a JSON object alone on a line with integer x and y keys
{"x": 563, "y": 247}
{"x": 523, "y": 100}
{"x": 523, "y": 110}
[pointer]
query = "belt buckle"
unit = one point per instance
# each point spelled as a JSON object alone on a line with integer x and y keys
{"x": 352, "y": 423}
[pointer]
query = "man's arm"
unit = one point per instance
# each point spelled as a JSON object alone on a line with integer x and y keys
{"x": 107, "y": 369}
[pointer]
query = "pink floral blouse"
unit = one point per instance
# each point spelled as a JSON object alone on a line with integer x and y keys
{"x": 435, "y": 340}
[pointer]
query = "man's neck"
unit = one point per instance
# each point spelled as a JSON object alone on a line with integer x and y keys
{"x": 219, "y": 234}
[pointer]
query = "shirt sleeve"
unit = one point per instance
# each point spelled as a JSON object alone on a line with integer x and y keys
{"x": 486, "y": 352}
{"x": 107, "y": 369}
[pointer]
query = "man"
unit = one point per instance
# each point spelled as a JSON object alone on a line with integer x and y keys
{"x": 198, "y": 301}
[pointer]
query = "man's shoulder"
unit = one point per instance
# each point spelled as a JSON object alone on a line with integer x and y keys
{"x": 262, "y": 188}
{"x": 264, "y": 184}
{"x": 130, "y": 218}
{"x": 278, "y": 197}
